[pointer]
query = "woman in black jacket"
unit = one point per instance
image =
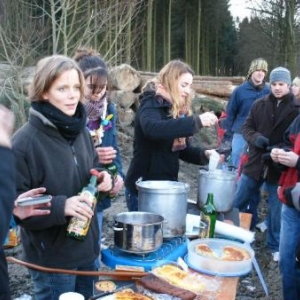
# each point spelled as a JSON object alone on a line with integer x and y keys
{"x": 163, "y": 125}
{"x": 54, "y": 150}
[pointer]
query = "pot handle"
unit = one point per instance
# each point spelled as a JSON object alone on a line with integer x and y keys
{"x": 187, "y": 187}
{"x": 117, "y": 228}
{"x": 205, "y": 168}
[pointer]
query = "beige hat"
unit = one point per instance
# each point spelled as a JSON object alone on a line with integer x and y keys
{"x": 257, "y": 64}
{"x": 296, "y": 81}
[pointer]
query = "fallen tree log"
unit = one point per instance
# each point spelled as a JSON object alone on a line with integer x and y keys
{"x": 216, "y": 88}
{"x": 235, "y": 80}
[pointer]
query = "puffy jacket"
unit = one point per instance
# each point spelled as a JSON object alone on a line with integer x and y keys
{"x": 240, "y": 104}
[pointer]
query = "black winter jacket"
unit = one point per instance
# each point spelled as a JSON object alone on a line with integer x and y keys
{"x": 154, "y": 133}
{"x": 45, "y": 159}
{"x": 7, "y": 197}
{"x": 271, "y": 121}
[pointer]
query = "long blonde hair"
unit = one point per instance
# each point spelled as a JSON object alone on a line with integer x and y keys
{"x": 168, "y": 77}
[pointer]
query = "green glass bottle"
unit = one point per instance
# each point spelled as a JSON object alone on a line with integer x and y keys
{"x": 208, "y": 217}
{"x": 78, "y": 228}
{"x": 113, "y": 170}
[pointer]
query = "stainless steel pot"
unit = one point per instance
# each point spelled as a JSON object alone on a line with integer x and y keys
{"x": 138, "y": 232}
{"x": 166, "y": 198}
{"x": 222, "y": 183}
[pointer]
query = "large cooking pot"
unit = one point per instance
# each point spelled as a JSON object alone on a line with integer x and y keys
{"x": 222, "y": 183}
{"x": 166, "y": 198}
{"x": 138, "y": 232}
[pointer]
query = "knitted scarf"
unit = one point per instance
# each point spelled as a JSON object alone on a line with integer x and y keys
{"x": 68, "y": 126}
{"x": 95, "y": 109}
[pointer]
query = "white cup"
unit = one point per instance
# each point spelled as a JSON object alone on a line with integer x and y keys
{"x": 71, "y": 296}
{"x": 214, "y": 160}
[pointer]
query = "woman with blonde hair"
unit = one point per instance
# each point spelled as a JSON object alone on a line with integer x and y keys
{"x": 296, "y": 89}
{"x": 163, "y": 124}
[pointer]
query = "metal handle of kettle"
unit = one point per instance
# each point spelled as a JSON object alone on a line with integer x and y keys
{"x": 187, "y": 187}
{"x": 117, "y": 228}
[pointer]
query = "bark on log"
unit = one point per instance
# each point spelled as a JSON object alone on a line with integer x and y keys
{"x": 123, "y": 99}
{"x": 124, "y": 77}
{"x": 216, "y": 88}
{"x": 236, "y": 80}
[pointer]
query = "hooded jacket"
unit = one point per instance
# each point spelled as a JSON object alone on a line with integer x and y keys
{"x": 44, "y": 158}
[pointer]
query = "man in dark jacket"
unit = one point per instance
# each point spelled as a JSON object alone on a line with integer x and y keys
{"x": 7, "y": 193}
{"x": 264, "y": 128}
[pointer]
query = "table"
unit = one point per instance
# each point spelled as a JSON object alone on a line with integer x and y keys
{"x": 229, "y": 285}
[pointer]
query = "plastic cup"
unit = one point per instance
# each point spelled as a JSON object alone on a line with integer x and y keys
{"x": 213, "y": 161}
{"x": 71, "y": 296}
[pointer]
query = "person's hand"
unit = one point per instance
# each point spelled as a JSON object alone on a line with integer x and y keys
{"x": 287, "y": 158}
{"x": 23, "y": 212}
{"x": 261, "y": 142}
{"x": 105, "y": 182}
{"x": 208, "y": 119}
{"x": 118, "y": 185}
{"x": 106, "y": 154}
{"x": 6, "y": 126}
{"x": 79, "y": 206}
{"x": 274, "y": 154}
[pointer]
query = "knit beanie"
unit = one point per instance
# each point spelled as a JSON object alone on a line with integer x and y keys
{"x": 280, "y": 74}
{"x": 257, "y": 64}
{"x": 296, "y": 81}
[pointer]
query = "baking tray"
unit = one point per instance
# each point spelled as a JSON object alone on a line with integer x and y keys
{"x": 212, "y": 266}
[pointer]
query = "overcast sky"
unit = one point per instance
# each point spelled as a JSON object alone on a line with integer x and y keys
{"x": 238, "y": 9}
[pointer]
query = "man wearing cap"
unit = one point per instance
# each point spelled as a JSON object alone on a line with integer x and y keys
{"x": 263, "y": 130}
{"x": 240, "y": 103}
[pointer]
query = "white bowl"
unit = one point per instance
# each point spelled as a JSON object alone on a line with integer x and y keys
{"x": 214, "y": 266}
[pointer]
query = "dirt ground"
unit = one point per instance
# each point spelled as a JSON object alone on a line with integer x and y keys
{"x": 249, "y": 286}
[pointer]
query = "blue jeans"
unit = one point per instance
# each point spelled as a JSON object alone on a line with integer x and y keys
{"x": 289, "y": 239}
{"x": 243, "y": 200}
{"x": 100, "y": 221}
{"x": 238, "y": 144}
{"x": 49, "y": 286}
{"x": 248, "y": 196}
{"x": 131, "y": 200}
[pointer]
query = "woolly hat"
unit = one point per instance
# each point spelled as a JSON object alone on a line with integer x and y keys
{"x": 296, "y": 81}
{"x": 280, "y": 74}
{"x": 257, "y": 64}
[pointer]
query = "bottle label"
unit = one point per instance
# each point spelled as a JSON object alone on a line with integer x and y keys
{"x": 205, "y": 224}
{"x": 77, "y": 227}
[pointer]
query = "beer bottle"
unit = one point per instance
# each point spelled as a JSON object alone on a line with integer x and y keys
{"x": 208, "y": 217}
{"x": 78, "y": 228}
{"x": 113, "y": 170}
